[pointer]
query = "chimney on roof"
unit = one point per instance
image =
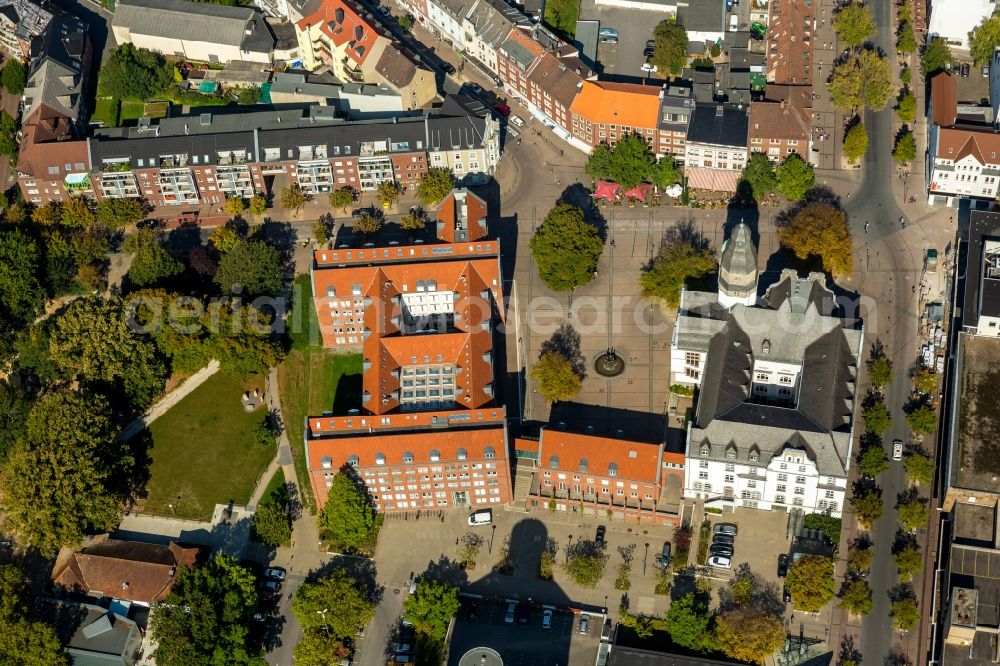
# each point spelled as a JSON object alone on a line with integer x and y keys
{"x": 250, "y": 27}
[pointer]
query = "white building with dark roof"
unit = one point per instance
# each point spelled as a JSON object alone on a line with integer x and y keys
{"x": 774, "y": 424}
{"x": 20, "y": 22}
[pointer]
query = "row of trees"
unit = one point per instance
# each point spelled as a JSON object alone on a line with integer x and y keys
{"x": 792, "y": 178}
{"x": 630, "y": 163}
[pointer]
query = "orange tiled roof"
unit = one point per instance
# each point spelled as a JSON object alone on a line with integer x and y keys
{"x": 339, "y": 425}
{"x": 343, "y": 26}
{"x": 522, "y": 38}
{"x": 475, "y": 212}
{"x": 955, "y": 143}
{"x": 635, "y": 460}
{"x": 618, "y": 103}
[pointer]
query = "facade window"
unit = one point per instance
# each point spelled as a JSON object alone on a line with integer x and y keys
{"x": 829, "y": 494}
{"x": 702, "y": 475}
{"x": 730, "y": 467}
{"x": 612, "y": 469}
{"x": 730, "y": 478}
{"x": 779, "y": 499}
{"x": 703, "y": 464}
{"x": 692, "y": 359}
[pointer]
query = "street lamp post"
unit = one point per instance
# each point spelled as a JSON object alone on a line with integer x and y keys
{"x": 492, "y": 536}
{"x": 644, "y": 558}
{"x": 569, "y": 547}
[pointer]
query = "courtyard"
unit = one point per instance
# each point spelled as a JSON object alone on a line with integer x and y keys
{"x": 203, "y": 451}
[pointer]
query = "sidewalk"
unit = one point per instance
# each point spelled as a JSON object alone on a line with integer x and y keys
{"x": 827, "y": 120}
{"x": 168, "y": 401}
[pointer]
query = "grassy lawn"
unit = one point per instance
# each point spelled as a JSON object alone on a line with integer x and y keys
{"x": 275, "y": 491}
{"x": 132, "y": 109}
{"x": 106, "y": 110}
{"x": 157, "y": 109}
{"x": 313, "y": 381}
{"x": 203, "y": 452}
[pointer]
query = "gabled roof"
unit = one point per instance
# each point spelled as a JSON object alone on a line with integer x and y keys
{"x": 521, "y": 48}
{"x": 493, "y": 20}
{"x": 944, "y": 99}
{"x": 779, "y": 120}
{"x": 461, "y": 209}
{"x": 55, "y": 75}
{"x": 343, "y": 25}
{"x": 561, "y": 80}
{"x": 956, "y": 143}
{"x": 93, "y": 635}
{"x": 789, "y": 42}
{"x": 639, "y": 461}
{"x": 129, "y": 570}
{"x": 243, "y": 27}
{"x": 719, "y": 124}
{"x": 396, "y": 68}
{"x": 618, "y": 103}
{"x": 28, "y": 17}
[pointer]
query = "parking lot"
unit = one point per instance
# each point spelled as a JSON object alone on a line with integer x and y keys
{"x": 524, "y": 642}
{"x": 763, "y": 535}
{"x": 634, "y": 28}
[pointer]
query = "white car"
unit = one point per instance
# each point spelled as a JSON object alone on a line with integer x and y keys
{"x": 509, "y": 617}
{"x": 897, "y": 449}
{"x": 720, "y": 562}
{"x": 275, "y": 573}
{"x": 517, "y": 120}
{"x": 648, "y": 67}
{"x": 481, "y": 517}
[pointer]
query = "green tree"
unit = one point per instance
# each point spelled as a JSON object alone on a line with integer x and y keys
{"x": 856, "y": 597}
{"x": 855, "y": 143}
{"x": 317, "y": 648}
{"x": 253, "y": 265}
{"x": 118, "y": 213}
{"x": 585, "y": 563}
{"x": 984, "y": 39}
{"x": 876, "y": 416}
{"x": 388, "y": 193}
{"x": 22, "y": 296}
{"x": 65, "y": 475}
{"x": 599, "y": 164}
{"x": 919, "y": 468}
{"x": 435, "y": 185}
{"x": 415, "y": 220}
{"x": 292, "y": 197}
{"x": 342, "y": 198}
{"x": 826, "y": 524}
{"x": 14, "y": 76}
{"x": 905, "y": 75}
{"x": 431, "y": 607}
{"x": 566, "y": 248}
{"x": 249, "y": 95}
{"x": 795, "y": 177}
{"x": 880, "y": 371}
{"x": 690, "y": 622}
{"x": 873, "y": 461}
{"x": 906, "y": 108}
{"x": 224, "y": 238}
{"x": 235, "y": 206}
{"x": 135, "y": 73}
{"x": 151, "y": 263}
{"x": 338, "y": 604}
{"x": 759, "y": 174}
{"x": 854, "y": 23}
{"x": 749, "y": 634}
{"x": 905, "y": 614}
{"x": 906, "y": 39}
{"x": 204, "y": 620}
{"x": 348, "y": 516}
{"x": 15, "y": 404}
{"x": 405, "y": 22}
{"x": 922, "y": 420}
{"x": 677, "y": 262}
{"x": 561, "y": 15}
{"x": 913, "y": 514}
{"x": 76, "y": 214}
{"x": 271, "y": 524}
{"x": 936, "y": 58}
{"x": 906, "y": 148}
{"x": 867, "y": 506}
{"x": 810, "y": 582}
{"x": 859, "y": 559}
{"x": 632, "y": 161}
{"x": 555, "y": 377}
{"x": 925, "y": 381}
{"x": 25, "y": 641}
{"x": 367, "y": 224}
{"x": 666, "y": 172}
{"x": 94, "y": 341}
{"x": 820, "y": 229}
{"x": 321, "y": 231}
{"x": 258, "y": 205}
{"x": 862, "y": 80}
{"x": 670, "y": 48}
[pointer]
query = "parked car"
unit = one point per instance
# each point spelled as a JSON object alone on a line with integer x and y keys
{"x": 584, "y": 623}
{"x": 260, "y": 616}
{"x": 725, "y": 528}
{"x": 599, "y": 537}
{"x": 481, "y": 517}
{"x": 897, "y": 449}
{"x": 648, "y": 51}
{"x": 782, "y": 565}
{"x": 511, "y": 609}
{"x": 650, "y": 43}
{"x": 721, "y": 549}
{"x": 275, "y": 573}
{"x": 720, "y": 562}
{"x": 523, "y": 612}
{"x": 404, "y": 648}
{"x": 723, "y": 538}
{"x": 516, "y": 120}
{"x": 663, "y": 559}
{"x": 448, "y": 68}
{"x": 647, "y": 66}
{"x": 271, "y": 586}
{"x": 608, "y": 39}
{"x": 547, "y": 619}
{"x": 787, "y": 596}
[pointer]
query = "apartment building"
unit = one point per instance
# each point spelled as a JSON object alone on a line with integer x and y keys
{"x": 716, "y": 149}
{"x": 447, "y": 19}
{"x": 486, "y": 26}
{"x": 54, "y": 94}
{"x": 597, "y": 474}
{"x": 21, "y": 21}
{"x": 789, "y": 42}
{"x": 604, "y": 112}
{"x": 677, "y": 104}
{"x": 953, "y": 20}
{"x": 201, "y": 160}
{"x": 426, "y": 434}
{"x": 779, "y": 124}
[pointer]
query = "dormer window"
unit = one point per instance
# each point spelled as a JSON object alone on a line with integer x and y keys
{"x": 731, "y": 452}
{"x": 352, "y": 460}
{"x": 435, "y": 455}
{"x": 584, "y": 465}
{"x": 379, "y": 458}
{"x": 612, "y": 469}
{"x": 489, "y": 453}
{"x": 462, "y": 454}
{"x": 754, "y": 454}
{"x": 554, "y": 462}
{"x": 326, "y": 462}
{"x": 407, "y": 457}
{"x": 704, "y": 451}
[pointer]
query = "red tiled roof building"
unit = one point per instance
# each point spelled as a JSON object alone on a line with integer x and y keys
{"x": 426, "y": 435}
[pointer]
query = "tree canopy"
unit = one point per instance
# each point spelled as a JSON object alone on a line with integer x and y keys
{"x": 566, "y": 248}
{"x": 810, "y": 582}
{"x": 561, "y": 15}
{"x": 670, "y": 48}
{"x": 271, "y": 524}
{"x": 855, "y": 142}
{"x": 132, "y": 72}
{"x": 922, "y": 420}
{"x": 919, "y": 467}
{"x": 68, "y": 474}
{"x": 913, "y": 514}
{"x": 984, "y": 39}
{"x": 585, "y": 562}
{"x": 338, "y": 604}
{"x": 435, "y": 185}
{"x": 342, "y": 198}
{"x": 556, "y": 377}
{"x": 854, "y": 23}
{"x": 151, "y": 263}
{"x": 431, "y": 607}
{"x": 25, "y": 641}
{"x": 906, "y": 147}
{"x": 867, "y": 505}
{"x": 856, "y": 597}
{"x": 22, "y": 295}
{"x": 14, "y": 76}
{"x": 629, "y": 163}
{"x": 820, "y": 229}
{"x": 254, "y": 266}
{"x": 906, "y": 38}
{"x": 876, "y": 416}
{"x": 905, "y": 613}
{"x": 936, "y": 57}
{"x": 862, "y": 80}
{"x": 348, "y": 515}
{"x": 388, "y": 192}
{"x": 690, "y": 623}
{"x": 749, "y": 634}
{"x": 204, "y": 619}
{"x": 872, "y": 461}
{"x": 909, "y": 561}
{"x": 795, "y": 177}
{"x": 759, "y": 174}
{"x": 292, "y": 197}
{"x": 880, "y": 370}
{"x": 117, "y": 213}
{"x": 676, "y": 262}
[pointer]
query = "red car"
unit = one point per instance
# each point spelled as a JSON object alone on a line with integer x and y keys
{"x": 502, "y": 109}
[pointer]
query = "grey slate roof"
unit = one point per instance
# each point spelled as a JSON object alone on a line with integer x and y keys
{"x": 821, "y": 418}
{"x": 55, "y": 76}
{"x": 703, "y": 16}
{"x": 196, "y": 22}
{"x": 28, "y": 17}
{"x": 518, "y": 53}
{"x": 719, "y": 124}
{"x": 739, "y": 256}
{"x": 92, "y": 635}
{"x": 982, "y": 296}
{"x": 493, "y": 19}
{"x": 676, "y": 108}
